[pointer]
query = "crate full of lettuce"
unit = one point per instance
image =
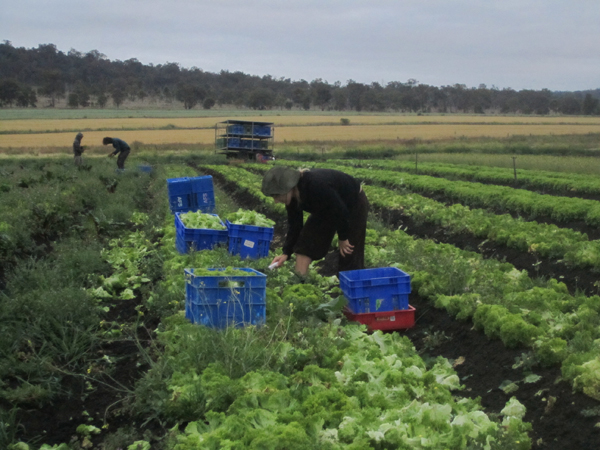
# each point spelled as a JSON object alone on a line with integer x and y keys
{"x": 195, "y": 230}
{"x": 250, "y": 234}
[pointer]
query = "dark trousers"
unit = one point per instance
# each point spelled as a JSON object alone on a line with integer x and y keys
{"x": 121, "y": 159}
{"x": 318, "y": 232}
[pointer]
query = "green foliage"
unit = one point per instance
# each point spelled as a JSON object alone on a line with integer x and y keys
{"x": 552, "y": 351}
{"x": 302, "y": 298}
{"x": 588, "y": 379}
{"x": 197, "y": 219}
{"x": 249, "y": 217}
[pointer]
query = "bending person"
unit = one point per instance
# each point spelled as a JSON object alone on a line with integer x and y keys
{"x": 336, "y": 203}
{"x": 121, "y": 147}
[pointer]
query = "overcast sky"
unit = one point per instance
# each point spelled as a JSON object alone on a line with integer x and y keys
{"x": 519, "y": 44}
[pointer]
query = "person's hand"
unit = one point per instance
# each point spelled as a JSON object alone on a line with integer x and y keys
{"x": 278, "y": 261}
{"x": 110, "y": 155}
{"x": 346, "y": 248}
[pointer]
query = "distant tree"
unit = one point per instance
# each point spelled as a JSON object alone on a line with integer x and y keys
{"x": 190, "y": 95}
{"x": 81, "y": 91}
{"x": 52, "y": 85}
{"x": 355, "y": 94}
{"x": 227, "y": 97}
{"x": 208, "y": 103}
{"x": 261, "y": 98}
{"x": 339, "y": 99}
{"x": 590, "y": 105}
{"x": 321, "y": 93}
{"x": 279, "y": 101}
{"x": 301, "y": 97}
{"x": 73, "y": 100}
{"x": 118, "y": 96}
{"x": 9, "y": 92}
{"x": 101, "y": 100}
{"x": 27, "y": 97}
{"x": 12, "y": 92}
{"x": 373, "y": 99}
{"x": 569, "y": 105}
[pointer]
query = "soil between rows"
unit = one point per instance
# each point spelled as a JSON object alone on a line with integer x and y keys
{"x": 483, "y": 365}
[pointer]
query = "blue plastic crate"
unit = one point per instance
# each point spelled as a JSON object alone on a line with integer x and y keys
{"x": 181, "y": 198}
{"x": 375, "y": 290}
{"x": 178, "y": 186}
{"x": 220, "y": 301}
{"x": 187, "y": 239}
{"x": 233, "y": 142}
{"x": 191, "y": 194}
{"x": 146, "y": 168}
{"x": 235, "y": 129}
{"x": 204, "y": 193}
{"x": 249, "y": 241}
{"x": 262, "y": 130}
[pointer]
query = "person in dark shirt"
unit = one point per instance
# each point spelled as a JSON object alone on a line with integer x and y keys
{"x": 121, "y": 148}
{"x": 78, "y": 149}
{"x": 336, "y": 203}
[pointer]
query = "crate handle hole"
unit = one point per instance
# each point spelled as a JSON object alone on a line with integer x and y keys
{"x": 231, "y": 284}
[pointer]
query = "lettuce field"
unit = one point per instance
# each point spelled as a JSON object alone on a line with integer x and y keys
{"x": 96, "y": 352}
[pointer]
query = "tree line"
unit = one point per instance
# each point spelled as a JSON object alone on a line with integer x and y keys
{"x": 45, "y": 75}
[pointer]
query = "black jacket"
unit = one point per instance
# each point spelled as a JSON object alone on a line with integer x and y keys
{"x": 327, "y": 193}
{"x": 120, "y": 146}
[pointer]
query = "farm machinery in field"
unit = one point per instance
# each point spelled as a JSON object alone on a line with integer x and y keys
{"x": 248, "y": 140}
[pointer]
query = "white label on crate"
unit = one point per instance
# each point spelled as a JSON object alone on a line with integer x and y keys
{"x": 249, "y": 244}
{"x": 179, "y": 201}
{"x": 205, "y": 197}
{"x": 393, "y": 319}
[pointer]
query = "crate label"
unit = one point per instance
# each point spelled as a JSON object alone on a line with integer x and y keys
{"x": 249, "y": 244}
{"x": 179, "y": 202}
{"x": 385, "y": 319}
{"x": 205, "y": 197}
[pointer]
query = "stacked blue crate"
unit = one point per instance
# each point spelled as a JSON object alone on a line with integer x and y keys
{"x": 262, "y": 130}
{"x": 204, "y": 193}
{"x": 191, "y": 194}
{"x": 180, "y": 195}
{"x": 375, "y": 290}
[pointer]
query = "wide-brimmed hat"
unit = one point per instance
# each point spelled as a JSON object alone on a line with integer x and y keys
{"x": 280, "y": 180}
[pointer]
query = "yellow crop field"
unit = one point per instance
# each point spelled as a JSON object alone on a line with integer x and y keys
{"x": 56, "y": 125}
{"x": 94, "y": 138}
{"x": 302, "y": 133}
{"x": 426, "y": 132}
{"x": 290, "y": 128}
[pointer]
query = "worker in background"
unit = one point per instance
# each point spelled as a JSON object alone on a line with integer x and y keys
{"x": 121, "y": 148}
{"x": 336, "y": 203}
{"x": 78, "y": 149}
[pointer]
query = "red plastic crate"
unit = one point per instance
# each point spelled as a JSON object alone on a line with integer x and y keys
{"x": 386, "y": 320}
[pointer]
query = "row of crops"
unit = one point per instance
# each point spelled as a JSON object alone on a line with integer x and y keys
{"x": 567, "y": 183}
{"x": 94, "y": 335}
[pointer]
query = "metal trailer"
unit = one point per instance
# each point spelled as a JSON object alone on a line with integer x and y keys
{"x": 243, "y": 139}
